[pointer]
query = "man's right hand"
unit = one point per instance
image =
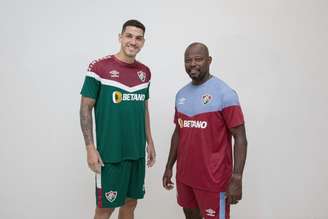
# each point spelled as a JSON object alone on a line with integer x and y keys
{"x": 167, "y": 182}
{"x": 94, "y": 160}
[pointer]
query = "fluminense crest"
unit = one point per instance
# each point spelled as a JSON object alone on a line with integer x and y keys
{"x": 111, "y": 196}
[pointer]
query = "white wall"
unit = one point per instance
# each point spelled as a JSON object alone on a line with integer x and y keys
{"x": 274, "y": 53}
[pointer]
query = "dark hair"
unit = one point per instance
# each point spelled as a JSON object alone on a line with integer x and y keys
{"x": 134, "y": 23}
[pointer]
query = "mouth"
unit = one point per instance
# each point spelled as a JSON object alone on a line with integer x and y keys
{"x": 194, "y": 74}
{"x": 194, "y": 71}
{"x": 132, "y": 48}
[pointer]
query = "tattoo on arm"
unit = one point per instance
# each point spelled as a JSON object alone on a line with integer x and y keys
{"x": 86, "y": 119}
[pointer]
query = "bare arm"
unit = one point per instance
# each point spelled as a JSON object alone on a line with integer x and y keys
{"x": 86, "y": 107}
{"x": 167, "y": 182}
{"x": 240, "y": 151}
{"x": 150, "y": 148}
{"x": 148, "y": 130}
{"x": 93, "y": 157}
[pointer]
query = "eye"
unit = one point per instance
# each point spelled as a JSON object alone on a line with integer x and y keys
{"x": 139, "y": 38}
{"x": 187, "y": 60}
{"x": 199, "y": 59}
{"x": 128, "y": 35}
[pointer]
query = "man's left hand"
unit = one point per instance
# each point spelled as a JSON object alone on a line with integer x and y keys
{"x": 234, "y": 193}
{"x": 151, "y": 155}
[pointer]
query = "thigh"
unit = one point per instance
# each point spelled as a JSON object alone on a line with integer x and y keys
{"x": 212, "y": 204}
{"x": 112, "y": 185}
{"x": 136, "y": 187}
{"x": 186, "y": 197}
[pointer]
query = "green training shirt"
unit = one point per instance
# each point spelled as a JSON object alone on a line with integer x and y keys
{"x": 120, "y": 91}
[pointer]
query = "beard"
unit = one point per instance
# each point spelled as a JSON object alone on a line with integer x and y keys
{"x": 198, "y": 77}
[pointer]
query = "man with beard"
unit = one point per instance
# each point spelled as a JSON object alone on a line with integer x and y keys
{"x": 207, "y": 116}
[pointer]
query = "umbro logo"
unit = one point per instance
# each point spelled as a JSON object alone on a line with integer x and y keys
{"x": 114, "y": 74}
{"x": 182, "y": 100}
{"x": 210, "y": 212}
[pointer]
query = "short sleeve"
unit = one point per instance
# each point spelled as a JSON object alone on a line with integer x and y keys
{"x": 148, "y": 79}
{"x": 90, "y": 86}
{"x": 147, "y": 91}
{"x": 232, "y": 112}
{"x": 175, "y": 119}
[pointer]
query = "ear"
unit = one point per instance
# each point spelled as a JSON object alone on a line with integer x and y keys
{"x": 119, "y": 37}
{"x": 143, "y": 42}
{"x": 209, "y": 60}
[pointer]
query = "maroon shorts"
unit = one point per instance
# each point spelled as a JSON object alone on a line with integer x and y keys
{"x": 211, "y": 204}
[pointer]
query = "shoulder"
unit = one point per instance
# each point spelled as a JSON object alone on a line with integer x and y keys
{"x": 142, "y": 68}
{"x": 227, "y": 94}
{"x": 98, "y": 63}
{"x": 220, "y": 85}
{"x": 183, "y": 90}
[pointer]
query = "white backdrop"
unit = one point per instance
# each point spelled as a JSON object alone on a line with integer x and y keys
{"x": 273, "y": 52}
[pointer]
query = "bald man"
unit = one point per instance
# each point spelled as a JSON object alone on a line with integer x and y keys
{"x": 207, "y": 116}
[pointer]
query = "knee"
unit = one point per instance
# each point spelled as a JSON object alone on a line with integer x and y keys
{"x": 103, "y": 213}
{"x": 130, "y": 204}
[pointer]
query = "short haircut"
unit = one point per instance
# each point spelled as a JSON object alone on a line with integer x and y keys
{"x": 201, "y": 45}
{"x": 134, "y": 23}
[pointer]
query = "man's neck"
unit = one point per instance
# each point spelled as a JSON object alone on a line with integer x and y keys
{"x": 122, "y": 57}
{"x": 206, "y": 78}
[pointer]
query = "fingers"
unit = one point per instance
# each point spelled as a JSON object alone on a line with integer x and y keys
{"x": 234, "y": 192}
{"x": 164, "y": 182}
{"x": 233, "y": 202}
{"x": 233, "y": 199}
{"x": 151, "y": 157}
{"x": 150, "y": 162}
{"x": 98, "y": 168}
{"x": 100, "y": 160}
{"x": 94, "y": 160}
{"x": 96, "y": 163}
{"x": 230, "y": 200}
{"x": 169, "y": 186}
{"x": 95, "y": 167}
{"x": 167, "y": 183}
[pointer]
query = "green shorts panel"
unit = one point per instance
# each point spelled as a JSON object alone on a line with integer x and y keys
{"x": 118, "y": 181}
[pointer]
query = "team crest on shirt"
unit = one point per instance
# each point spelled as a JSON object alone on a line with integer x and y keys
{"x": 206, "y": 98}
{"x": 114, "y": 74}
{"x": 111, "y": 196}
{"x": 210, "y": 212}
{"x": 142, "y": 75}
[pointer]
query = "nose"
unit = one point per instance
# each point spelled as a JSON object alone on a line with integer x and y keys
{"x": 133, "y": 41}
{"x": 193, "y": 62}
